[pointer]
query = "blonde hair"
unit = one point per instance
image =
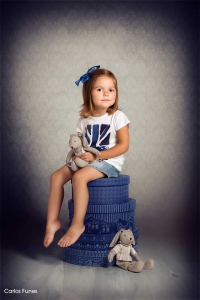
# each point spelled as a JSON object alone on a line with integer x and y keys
{"x": 87, "y": 106}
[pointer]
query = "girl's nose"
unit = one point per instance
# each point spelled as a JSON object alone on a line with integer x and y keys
{"x": 105, "y": 93}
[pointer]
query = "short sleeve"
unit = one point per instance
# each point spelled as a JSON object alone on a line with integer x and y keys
{"x": 120, "y": 120}
{"x": 116, "y": 248}
{"x": 78, "y": 127}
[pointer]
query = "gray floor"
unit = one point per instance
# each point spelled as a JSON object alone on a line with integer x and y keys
{"x": 175, "y": 275}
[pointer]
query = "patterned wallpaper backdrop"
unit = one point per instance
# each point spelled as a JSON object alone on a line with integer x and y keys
{"x": 152, "y": 48}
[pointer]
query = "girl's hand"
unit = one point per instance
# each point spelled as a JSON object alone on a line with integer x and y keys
{"x": 74, "y": 157}
{"x": 87, "y": 156}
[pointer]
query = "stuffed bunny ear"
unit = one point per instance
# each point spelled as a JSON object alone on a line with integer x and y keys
{"x": 80, "y": 137}
{"x": 85, "y": 142}
{"x": 116, "y": 237}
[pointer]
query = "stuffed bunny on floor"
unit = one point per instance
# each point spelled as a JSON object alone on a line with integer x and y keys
{"x": 124, "y": 250}
{"x": 79, "y": 145}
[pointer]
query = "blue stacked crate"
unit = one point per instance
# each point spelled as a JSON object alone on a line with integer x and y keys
{"x": 109, "y": 210}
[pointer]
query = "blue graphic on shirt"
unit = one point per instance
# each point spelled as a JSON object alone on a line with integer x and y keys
{"x": 98, "y": 136}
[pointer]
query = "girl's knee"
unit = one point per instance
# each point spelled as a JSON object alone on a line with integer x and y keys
{"x": 78, "y": 177}
{"x": 61, "y": 176}
{"x": 55, "y": 176}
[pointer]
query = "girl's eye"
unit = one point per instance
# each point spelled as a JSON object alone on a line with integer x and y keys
{"x": 99, "y": 90}
{"x": 112, "y": 90}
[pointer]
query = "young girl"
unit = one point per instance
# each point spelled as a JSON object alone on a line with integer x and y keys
{"x": 106, "y": 129}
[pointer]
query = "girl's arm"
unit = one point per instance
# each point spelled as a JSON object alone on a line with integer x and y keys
{"x": 121, "y": 147}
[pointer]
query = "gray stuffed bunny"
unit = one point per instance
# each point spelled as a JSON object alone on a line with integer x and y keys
{"x": 124, "y": 250}
{"x": 79, "y": 145}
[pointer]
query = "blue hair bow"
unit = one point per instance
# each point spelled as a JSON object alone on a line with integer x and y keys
{"x": 86, "y": 76}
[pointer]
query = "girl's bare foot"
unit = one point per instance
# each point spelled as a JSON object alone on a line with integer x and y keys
{"x": 71, "y": 236}
{"x": 50, "y": 231}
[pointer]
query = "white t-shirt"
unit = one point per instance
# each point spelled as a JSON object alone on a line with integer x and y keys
{"x": 123, "y": 252}
{"x": 100, "y": 133}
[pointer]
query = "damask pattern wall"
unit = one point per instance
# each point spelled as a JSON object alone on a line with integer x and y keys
{"x": 152, "y": 48}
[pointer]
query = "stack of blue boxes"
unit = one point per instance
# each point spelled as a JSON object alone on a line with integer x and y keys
{"x": 109, "y": 210}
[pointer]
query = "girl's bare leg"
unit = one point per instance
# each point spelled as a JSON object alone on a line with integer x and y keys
{"x": 81, "y": 197}
{"x": 58, "y": 179}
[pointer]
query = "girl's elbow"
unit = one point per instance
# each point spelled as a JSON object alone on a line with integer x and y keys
{"x": 126, "y": 148}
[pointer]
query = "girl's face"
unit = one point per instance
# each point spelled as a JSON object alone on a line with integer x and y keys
{"x": 103, "y": 94}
